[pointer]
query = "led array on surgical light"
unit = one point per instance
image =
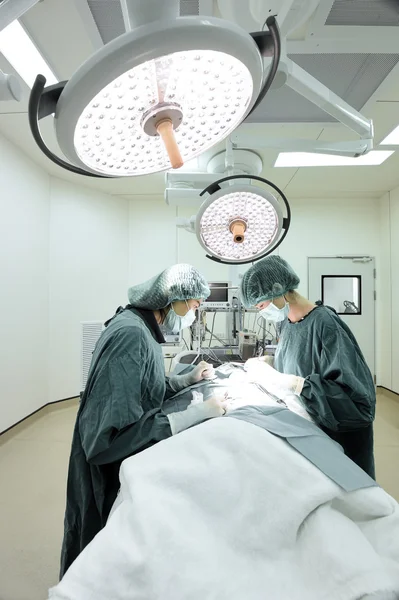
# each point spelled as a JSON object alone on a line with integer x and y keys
{"x": 157, "y": 96}
{"x": 260, "y": 221}
{"x": 241, "y": 223}
{"x": 208, "y": 92}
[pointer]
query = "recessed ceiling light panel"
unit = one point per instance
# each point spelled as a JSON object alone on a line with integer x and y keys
{"x": 22, "y": 54}
{"x": 310, "y": 159}
{"x": 392, "y": 139}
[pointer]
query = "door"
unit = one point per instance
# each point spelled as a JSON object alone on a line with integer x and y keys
{"x": 347, "y": 284}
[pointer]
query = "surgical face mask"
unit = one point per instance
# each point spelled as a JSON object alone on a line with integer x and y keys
{"x": 272, "y": 313}
{"x": 175, "y": 323}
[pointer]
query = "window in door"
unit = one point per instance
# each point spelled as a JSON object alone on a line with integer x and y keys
{"x": 343, "y": 293}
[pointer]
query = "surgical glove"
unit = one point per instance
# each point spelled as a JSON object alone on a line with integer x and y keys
{"x": 196, "y": 413}
{"x": 274, "y": 382}
{"x": 198, "y": 398}
{"x": 266, "y": 358}
{"x": 202, "y": 371}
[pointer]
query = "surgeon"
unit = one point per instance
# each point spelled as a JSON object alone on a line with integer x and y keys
{"x": 120, "y": 411}
{"x": 317, "y": 359}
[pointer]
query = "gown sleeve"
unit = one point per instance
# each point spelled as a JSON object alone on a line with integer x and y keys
{"x": 341, "y": 397}
{"x": 113, "y": 423}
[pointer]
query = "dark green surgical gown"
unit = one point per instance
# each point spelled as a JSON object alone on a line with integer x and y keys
{"x": 339, "y": 391}
{"x": 119, "y": 415}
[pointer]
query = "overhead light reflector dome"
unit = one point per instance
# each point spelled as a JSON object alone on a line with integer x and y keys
{"x": 157, "y": 96}
{"x": 204, "y": 95}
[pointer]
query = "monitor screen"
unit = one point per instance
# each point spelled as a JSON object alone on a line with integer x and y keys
{"x": 218, "y": 295}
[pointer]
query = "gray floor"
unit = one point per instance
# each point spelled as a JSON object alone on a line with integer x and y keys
{"x": 33, "y": 468}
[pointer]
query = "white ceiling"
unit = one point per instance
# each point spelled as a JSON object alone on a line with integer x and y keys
{"x": 342, "y": 55}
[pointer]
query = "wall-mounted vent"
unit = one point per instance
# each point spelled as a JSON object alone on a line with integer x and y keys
{"x": 365, "y": 13}
{"x": 90, "y": 332}
{"x": 108, "y": 17}
{"x": 189, "y": 8}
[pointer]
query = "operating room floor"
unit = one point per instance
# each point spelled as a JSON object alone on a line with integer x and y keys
{"x": 33, "y": 469}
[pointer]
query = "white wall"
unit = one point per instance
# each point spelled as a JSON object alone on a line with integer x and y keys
{"x": 24, "y": 269}
{"x": 394, "y": 239}
{"x": 152, "y": 238}
{"x": 388, "y": 291}
{"x": 384, "y": 296}
{"x": 155, "y": 243}
{"x": 64, "y": 254}
{"x": 337, "y": 227}
{"x": 329, "y": 228}
{"x": 88, "y": 273}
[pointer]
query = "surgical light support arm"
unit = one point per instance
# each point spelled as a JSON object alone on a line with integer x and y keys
{"x": 310, "y": 88}
{"x": 13, "y": 9}
{"x": 350, "y": 149}
{"x": 313, "y": 90}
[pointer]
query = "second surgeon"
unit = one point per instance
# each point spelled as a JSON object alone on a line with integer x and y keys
{"x": 318, "y": 359}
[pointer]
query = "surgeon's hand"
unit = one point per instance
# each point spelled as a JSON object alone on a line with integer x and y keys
{"x": 196, "y": 413}
{"x": 202, "y": 371}
{"x": 216, "y": 406}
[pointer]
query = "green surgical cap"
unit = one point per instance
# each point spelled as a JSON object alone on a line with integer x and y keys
{"x": 267, "y": 279}
{"x": 180, "y": 282}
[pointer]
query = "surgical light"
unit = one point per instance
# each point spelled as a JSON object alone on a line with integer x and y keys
{"x": 157, "y": 96}
{"x": 152, "y": 117}
{"x": 241, "y": 223}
